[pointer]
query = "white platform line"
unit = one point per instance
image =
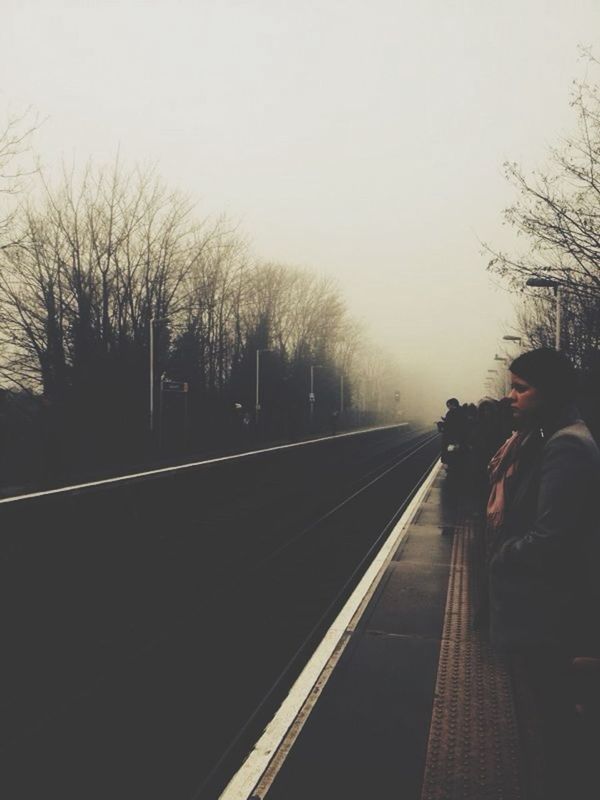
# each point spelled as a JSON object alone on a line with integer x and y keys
{"x": 189, "y": 465}
{"x": 247, "y": 777}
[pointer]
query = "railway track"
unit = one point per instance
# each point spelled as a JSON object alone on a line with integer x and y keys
{"x": 205, "y": 664}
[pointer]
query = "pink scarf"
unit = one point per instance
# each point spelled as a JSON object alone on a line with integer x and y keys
{"x": 502, "y": 467}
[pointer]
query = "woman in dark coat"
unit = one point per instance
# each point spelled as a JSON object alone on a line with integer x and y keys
{"x": 544, "y": 522}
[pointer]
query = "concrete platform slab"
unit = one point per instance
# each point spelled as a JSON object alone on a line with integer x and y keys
{"x": 367, "y": 737}
{"x": 417, "y": 707}
{"x": 411, "y": 603}
{"x": 429, "y": 543}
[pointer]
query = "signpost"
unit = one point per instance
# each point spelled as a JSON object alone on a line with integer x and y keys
{"x": 173, "y": 387}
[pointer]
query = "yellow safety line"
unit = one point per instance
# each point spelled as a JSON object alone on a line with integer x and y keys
{"x": 473, "y": 750}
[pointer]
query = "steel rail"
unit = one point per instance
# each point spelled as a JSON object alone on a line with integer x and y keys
{"x": 386, "y": 469}
{"x": 190, "y": 465}
{"x": 152, "y": 644}
{"x": 214, "y": 781}
{"x": 251, "y": 573}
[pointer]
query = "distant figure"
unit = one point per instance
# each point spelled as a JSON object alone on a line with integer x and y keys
{"x": 487, "y": 433}
{"x": 453, "y": 429}
{"x": 544, "y": 553}
{"x": 472, "y": 415}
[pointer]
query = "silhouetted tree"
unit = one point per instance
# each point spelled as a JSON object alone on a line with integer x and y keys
{"x": 558, "y": 215}
{"x": 89, "y": 265}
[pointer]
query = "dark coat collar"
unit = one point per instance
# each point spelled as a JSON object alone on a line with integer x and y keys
{"x": 551, "y": 422}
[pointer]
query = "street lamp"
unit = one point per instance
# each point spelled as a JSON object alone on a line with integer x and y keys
{"x": 153, "y": 322}
{"x": 163, "y": 384}
{"x": 313, "y": 367}
{"x": 555, "y": 285}
{"x": 257, "y": 402}
{"x": 311, "y": 396}
{"x": 506, "y": 378}
{"x": 519, "y": 341}
{"x": 491, "y": 381}
{"x": 489, "y": 377}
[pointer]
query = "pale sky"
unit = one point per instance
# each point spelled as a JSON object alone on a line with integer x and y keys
{"x": 364, "y": 140}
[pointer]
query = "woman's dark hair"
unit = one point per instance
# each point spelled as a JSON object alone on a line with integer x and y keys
{"x": 549, "y": 371}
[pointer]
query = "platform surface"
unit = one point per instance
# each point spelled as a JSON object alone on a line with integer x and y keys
{"x": 417, "y": 707}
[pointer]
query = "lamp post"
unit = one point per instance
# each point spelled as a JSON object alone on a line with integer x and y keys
{"x": 151, "y": 344}
{"x": 491, "y": 379}
{"x": 311, "y": 396}
{"x": 152, "y": 347}
{"x": 505, "y": 362}
{"x": 257, "y": 401}
{"x": 154, "y": 322}
{"x": 519, "y": 341}
{"x": 555, "y": 286}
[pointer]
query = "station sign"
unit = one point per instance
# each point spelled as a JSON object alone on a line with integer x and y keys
{"x": 174, "y": 386}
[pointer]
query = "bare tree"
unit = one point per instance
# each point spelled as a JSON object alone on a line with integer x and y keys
{"x": 93, "y": 259}
{"x": 304, "y": 312}
{"x": 557, "y": 214}
{"x": 15, "y": 147}
{"x": 208, "y": 320}
{"x": 89, "y": 267}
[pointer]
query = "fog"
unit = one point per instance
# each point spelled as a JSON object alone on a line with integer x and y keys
{"x": 364, "y": 140}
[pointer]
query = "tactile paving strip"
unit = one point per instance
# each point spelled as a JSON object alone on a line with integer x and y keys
{"x": 472, "y": 751}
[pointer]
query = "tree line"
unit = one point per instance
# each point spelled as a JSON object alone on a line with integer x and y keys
{"x": 95, "y": 266}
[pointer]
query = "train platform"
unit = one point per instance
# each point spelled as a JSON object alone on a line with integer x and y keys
{"x": 412, "y": 702}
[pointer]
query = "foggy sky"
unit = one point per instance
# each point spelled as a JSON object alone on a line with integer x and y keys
{"x": 361, "y": 139}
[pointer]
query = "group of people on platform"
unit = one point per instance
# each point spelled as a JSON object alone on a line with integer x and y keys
{"x": 471, "y": 435}
{"x": 534, "y": 468}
